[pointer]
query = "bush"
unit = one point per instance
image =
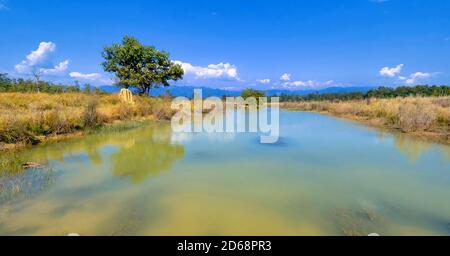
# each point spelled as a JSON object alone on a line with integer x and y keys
{"x": 162, "y": 112}
{"x": 14, "y": 130}
{"x": 413, "y": 118}
{"x": 124, "y": 111}
{"x": 91, "y": 117}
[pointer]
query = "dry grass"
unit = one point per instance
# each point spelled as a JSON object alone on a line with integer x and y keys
{"x": 423, "y": 116}
{"x": 28, "y": 117}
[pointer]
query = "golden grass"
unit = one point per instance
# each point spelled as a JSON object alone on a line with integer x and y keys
{"x": 420, "y": 115}
{"x": 28, "y": 117}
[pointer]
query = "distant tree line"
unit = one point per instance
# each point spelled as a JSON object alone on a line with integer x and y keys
{"x": 8, "y": 84}
{"x": 381, "y": 92}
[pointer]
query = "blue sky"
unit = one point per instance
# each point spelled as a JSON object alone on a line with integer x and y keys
{"x": 236, "y": 44}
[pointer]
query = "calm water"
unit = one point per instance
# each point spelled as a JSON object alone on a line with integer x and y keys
{"x": 324, "y": 177}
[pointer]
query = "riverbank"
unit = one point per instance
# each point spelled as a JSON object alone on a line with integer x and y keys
{"x": 34, "y": 118}
{"x": 12, "y": 158}
{"x": 427, "y": 117}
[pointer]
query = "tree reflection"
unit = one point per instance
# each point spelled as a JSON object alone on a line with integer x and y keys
{"x": 146, "y": 153}
{"x": 411, "y": 147}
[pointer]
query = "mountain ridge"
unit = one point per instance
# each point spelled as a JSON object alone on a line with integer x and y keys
{"x": 187, "y": 91}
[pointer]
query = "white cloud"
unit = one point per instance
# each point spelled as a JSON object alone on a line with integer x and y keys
{"x": 285, "y": 77}
{"x": 40, "y": 54}
{"x": 38, "y": 60}
{"x": 58, "y": 69}
{"x": 91, "y": 76}
{"x": 22, "y": 68}
{"x": 263, "y": 81}
{"x": 415, "y": 77}
{"x": 96, "y": 78}
{"x": 212, "y": 71}
{"x": 391, "y": 72}
{"x": 379, "y": 1}
{"x": 309, "y": 83}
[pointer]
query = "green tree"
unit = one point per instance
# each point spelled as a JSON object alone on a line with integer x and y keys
{"x": 247, "y": 93}
{"x": 5, "y": 82}
{"x": 87, "y": 89}
{"x": 139, "y": 66}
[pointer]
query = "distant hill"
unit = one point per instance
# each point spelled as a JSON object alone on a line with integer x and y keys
{"x": 187, "y": 91}
{"x": 275, "y": 92}
{"x": 109, "y": 88}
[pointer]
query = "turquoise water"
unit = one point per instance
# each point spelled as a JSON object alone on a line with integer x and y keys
{"x": 325, "y": 176}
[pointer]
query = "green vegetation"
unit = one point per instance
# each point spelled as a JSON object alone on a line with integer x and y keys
{"x": 138, "y": 66}
{"x": 379, "y": 93}
{"x": 8, "y": 84}
{"x": 247, "y": 93}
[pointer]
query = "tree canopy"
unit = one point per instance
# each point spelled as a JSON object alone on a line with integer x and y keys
{"x": 139, "y": 66}
{"x": 247, "y": 93}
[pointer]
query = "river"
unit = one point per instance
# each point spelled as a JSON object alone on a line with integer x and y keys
{"x": 325, "y": 176}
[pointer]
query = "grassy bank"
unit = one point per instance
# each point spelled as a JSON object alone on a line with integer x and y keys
{"x": 30, "y": 118}
{"x": 421, "y": 116}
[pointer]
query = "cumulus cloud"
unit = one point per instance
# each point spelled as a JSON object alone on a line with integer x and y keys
{"x": 90, "y": 77}
{"x": 415, "y": 77}
{"x": 288, "y": 83}
{"x": 285, "y": 77}
{"x": 60, "y": 68}
{"x": 222, "y": 70}
{"x": 263, "y": 81}
{"x": 38, "y": 60}
{"x": 309, "y": 83}
{"x": 391, "y": 72}
{"x": 409, "y": 80}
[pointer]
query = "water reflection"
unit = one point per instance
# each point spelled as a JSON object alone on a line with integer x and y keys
{"x": 140, "y": 159}
{"x": 138, "y": 154}
{"x": 24, "y": 184}
{"x": 411, "y": 147}
{"x": 326, "y": 177}
{"x": 445, "y": 151}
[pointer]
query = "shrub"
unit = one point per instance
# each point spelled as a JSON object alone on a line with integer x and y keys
{"x": 162, "y": 112}
{"x": 413, "y": 117}
{"x": 124, "y": 111}
{"x": 91, "y": 117}
{"x": 14, "y": 130}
